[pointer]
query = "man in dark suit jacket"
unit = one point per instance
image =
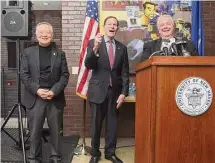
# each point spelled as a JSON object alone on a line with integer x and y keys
{"x": 44, "y": 73}
{"x": 166, "y": 28}
{"x": 108, "y": 87}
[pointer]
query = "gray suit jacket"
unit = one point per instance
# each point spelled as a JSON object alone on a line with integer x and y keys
{"x": 101, "y": 71}
{"x": 30, "y": 74}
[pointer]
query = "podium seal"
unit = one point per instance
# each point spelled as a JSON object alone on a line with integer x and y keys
{"x": 194, "y": 96}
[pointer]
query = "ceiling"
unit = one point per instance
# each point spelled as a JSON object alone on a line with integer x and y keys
{"x": 46, "y": 5}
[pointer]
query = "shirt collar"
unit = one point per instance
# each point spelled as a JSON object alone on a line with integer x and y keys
{"x": 107, "y": 39}
{"x": 172, "y": 40}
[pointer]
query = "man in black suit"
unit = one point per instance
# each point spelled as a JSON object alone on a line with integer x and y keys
{"x": 45, "y": 74}
{"x": 166, "y": 29}
{"x": 108, "y": 86}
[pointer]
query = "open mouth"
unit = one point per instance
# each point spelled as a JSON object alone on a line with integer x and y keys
{"x": 112, "y": 31}
{"x": 166, "y": 30}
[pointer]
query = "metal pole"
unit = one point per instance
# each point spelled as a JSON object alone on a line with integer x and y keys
{"x": 83, "y": 149}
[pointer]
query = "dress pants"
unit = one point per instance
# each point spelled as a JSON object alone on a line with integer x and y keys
{"x": 99, "y": 112}
{"x": 36, "y": 117}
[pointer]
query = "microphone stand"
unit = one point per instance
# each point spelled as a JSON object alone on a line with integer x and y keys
{"x": 160, "y": 52}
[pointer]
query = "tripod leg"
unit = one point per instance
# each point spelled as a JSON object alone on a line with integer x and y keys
{"x": 44, "y": 138}
{"x": 21, "y": 132}
{"x": 9, "y": 115}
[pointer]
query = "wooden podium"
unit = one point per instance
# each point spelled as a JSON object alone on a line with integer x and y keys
{"x": 163, "y": 133}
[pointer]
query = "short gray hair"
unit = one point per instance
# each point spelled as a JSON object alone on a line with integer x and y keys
{"x": 165, "y": 16}
{"x": 46, "y": 23}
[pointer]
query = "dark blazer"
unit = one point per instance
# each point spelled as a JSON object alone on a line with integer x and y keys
{"x": 155, "y": 45}
{"x": 101, "y": 71}
{"x": 30, "y": 74}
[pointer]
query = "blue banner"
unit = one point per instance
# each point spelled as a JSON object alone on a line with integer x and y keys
{"x": 197, "y": 33}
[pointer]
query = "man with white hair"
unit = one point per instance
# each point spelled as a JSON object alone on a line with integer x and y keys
{"x": 166, "y": 31}
{"x": 45, "y": 74}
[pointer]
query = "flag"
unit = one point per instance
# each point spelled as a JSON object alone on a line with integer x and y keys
{"x": 197, "y": 33}
{"x": 91, "y": 28}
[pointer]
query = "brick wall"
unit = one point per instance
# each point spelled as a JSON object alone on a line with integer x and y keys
{"x": 208, "y": 12}
{"x": 72, "y": 26}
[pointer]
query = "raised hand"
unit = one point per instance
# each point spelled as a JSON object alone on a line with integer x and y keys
{"x": 97, "y": 42}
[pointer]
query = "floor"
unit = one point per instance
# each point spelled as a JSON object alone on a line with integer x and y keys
{"x": 125, "y": 148}
{"x": 125, "y": 151}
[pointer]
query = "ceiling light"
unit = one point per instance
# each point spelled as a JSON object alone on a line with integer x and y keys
{"x": 45, "y": 3}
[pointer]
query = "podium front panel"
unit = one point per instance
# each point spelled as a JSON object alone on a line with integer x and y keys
{"x": 163, "y": 133}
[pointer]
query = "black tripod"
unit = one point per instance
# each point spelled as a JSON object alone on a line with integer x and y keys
{"x": 20, "y": 143}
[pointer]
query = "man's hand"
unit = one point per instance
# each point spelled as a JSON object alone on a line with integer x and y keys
{"x": 120, "y": 100}
{"x": 97, "y": 42}
{"x": 50, "y": 95}
{"x": 43, "y": 93}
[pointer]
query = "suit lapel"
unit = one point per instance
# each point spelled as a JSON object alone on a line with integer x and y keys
{"x": 53, "y": 57}
{"x": 104, "y": 53}
{"x": 117, "y": 53}
{"x": 37, "y": 57}
{"x": 158, "y": 45}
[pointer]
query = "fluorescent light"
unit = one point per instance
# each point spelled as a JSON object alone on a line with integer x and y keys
{"x": 45, "y": 3}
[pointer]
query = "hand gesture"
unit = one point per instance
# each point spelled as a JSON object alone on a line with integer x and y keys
{"x": 97, "y": 42}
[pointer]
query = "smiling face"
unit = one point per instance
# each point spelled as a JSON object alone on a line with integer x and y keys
{"x": 44, "y": 34}
{"x": 111, "y": 27}
{"x": 165, "y": 26}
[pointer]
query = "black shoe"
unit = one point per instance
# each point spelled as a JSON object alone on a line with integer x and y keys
{"x": 94, "y": 159}
{"x": 113, "y": 159}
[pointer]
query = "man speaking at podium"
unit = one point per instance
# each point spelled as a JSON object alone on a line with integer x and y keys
{"x": 167, "y": 44}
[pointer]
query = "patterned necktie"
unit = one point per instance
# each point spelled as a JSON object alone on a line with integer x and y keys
{"x": 110, "y": 54}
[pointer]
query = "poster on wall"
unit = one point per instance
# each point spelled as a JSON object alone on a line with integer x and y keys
{"x": 137, "y": 22}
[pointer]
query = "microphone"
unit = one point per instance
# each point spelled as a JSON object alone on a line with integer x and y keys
{"x": 175, "y": 49}
{"x": 165, "y": 50}
{"x": 160, "y": 52}
{"x": 166, "y": 46}
{"x": 183, "y": 50}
